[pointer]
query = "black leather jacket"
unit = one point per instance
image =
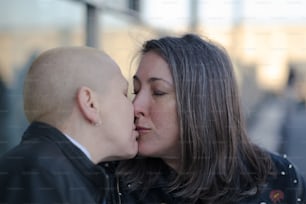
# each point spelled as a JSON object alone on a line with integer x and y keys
{"x": 114, "y": 195}
{"x": 288, "y": 187}
{"x": 47, "y": 168}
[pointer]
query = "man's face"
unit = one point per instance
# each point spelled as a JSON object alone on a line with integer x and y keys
{"x": 117, "y": 119}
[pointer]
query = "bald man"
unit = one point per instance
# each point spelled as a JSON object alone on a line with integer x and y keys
{"x": 75, "y": 99}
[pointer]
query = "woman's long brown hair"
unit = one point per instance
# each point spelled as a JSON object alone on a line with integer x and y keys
{"x": 218, "y": 162}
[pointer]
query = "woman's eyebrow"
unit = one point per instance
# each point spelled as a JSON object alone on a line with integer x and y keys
{"x": 153, "y": 79}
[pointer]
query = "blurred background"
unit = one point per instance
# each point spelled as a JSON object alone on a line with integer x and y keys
{"x": 266, "y": 40}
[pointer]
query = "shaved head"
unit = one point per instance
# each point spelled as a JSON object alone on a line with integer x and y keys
{"x": 56, "y": 75}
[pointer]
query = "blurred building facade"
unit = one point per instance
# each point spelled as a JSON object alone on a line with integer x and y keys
{"x": 264, "y": 44}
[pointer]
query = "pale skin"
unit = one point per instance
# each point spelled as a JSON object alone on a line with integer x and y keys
{"x": 155, "y": 110}
{"x": 82, "y": 92}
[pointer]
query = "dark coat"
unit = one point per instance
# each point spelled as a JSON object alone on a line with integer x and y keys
{"x": 287, "y": 187}
{"x": 47, "y": 168}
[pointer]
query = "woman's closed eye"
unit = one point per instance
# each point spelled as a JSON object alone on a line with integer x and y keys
{"x": 158, "y": 93}
{"x": 155, "y": 93}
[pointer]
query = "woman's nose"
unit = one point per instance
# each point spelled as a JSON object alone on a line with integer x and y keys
{"x": 140, "y": 104}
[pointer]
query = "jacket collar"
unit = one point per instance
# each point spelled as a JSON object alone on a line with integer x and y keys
{"x": 43, "y": 131}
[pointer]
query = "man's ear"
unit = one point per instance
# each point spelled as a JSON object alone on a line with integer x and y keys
{"x": 88, "y": 103}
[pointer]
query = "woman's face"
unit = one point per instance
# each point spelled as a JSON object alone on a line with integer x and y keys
{"x": 155, "y": 110}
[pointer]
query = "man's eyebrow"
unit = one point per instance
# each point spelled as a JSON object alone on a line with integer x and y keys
{"x": 136, "y": 78}
{"x": 126, "y": 85}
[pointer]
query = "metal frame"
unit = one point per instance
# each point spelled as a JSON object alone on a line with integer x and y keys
{"x": 92, "y": 28}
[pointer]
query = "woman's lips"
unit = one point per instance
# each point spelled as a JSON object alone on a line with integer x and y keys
{"x": 142, "y": 130}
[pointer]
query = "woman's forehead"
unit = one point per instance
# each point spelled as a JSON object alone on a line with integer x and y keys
{"x": 153, "y": 66}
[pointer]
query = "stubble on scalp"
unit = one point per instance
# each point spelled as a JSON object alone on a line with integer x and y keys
{"x": 55, "y": 76}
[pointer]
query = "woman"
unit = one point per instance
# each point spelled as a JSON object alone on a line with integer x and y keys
{"x": 193, "y": 147}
